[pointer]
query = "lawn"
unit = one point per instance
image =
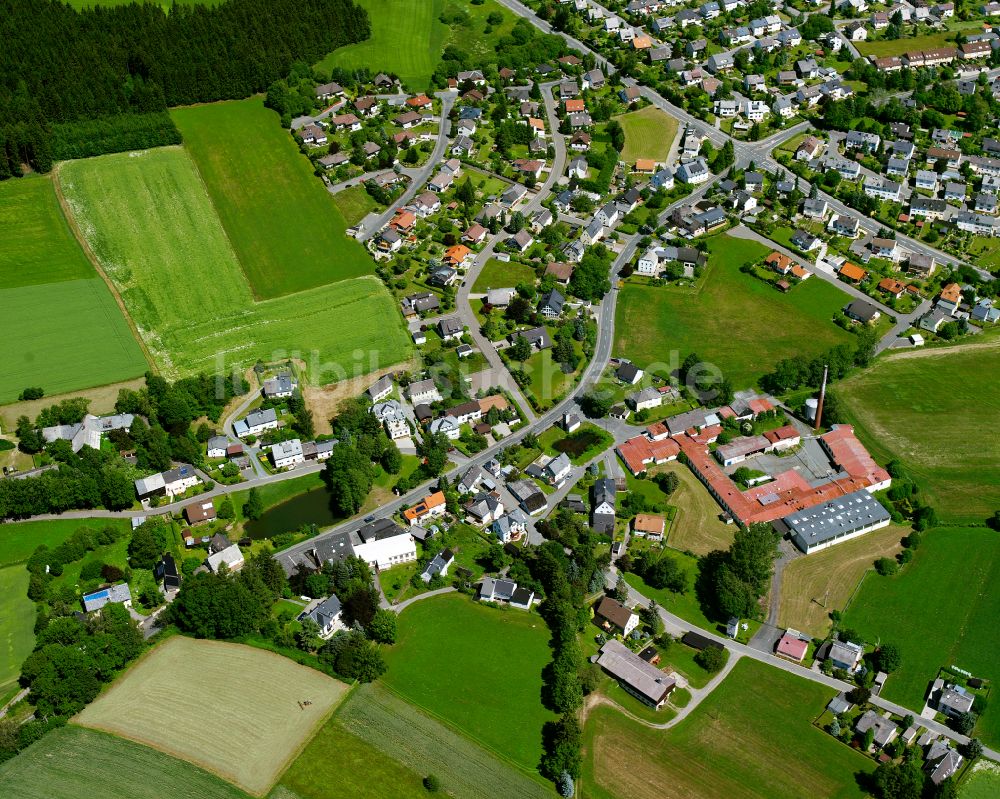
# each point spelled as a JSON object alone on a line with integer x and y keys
{"x": 909, "y": 405}
{"x": 953, "y": 585}
{"x": 733, "y": 320}
{"x": 581, "y": 445}
{"x": 355, "y": 204}
{"x": 983, "y": 782}
{"x": 697, "y": 527}
{"x": 738, "y": 743}
{"x": 649, "y": 133}
{"x": 498, "y": 275}
{"x": 408, "y": 37}
{"x": 72, "y": 762}
{"x": 548, "y": 381}
{"x": 494, "y": 699}
{"x": 395, "y": 729}
{"x": 210, "y": 720}
{"x": 814, "y": 585}
{"x": 906, "y": 44}
{"x": 18, "y": 540}
{"x": 42, "y": 268}
{"x": 17, "y": 627}
{"x": 685, "y": 605}
{"x": 286, "y": 229}
{"x": 186, "y": 292}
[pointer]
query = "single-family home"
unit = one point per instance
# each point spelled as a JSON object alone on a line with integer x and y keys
{"x": 612, "y": 615}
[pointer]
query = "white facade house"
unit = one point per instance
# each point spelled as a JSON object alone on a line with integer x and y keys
{"x": 287, "y": 453}
{"x": 385, "y": 552}
{"x": 256, "y": 422}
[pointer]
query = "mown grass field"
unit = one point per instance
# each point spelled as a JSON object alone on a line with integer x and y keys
{"x": 697, "y": 527}
{"x": 72, "y": 762}
{"x": 62, "y": 328}
{"x": 354, "y": 204}
{"x": 287, "y": 231}
{"x": 906, "y": 44}
{"x": 494, "y": 662}
{"x": 17, "y": 625}
{"x": 499, "y": 275}
{"x": 941, "y": 610}
{"x": 813, "y": 586}
{"x": 751, "y": 737}
{"x": 648, "y": 134}
{"x": 151, "y": 223}
{"x": 238, "y": 715}
{"x": 408, "y": 37}
{"x": 910, "y": 405}
{"x": 733, "y": 320}
{"x": 398, "y": 732}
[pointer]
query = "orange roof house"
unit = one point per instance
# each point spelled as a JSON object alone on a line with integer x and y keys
{"x": 852, "y": 272}
{"x": 648, "y": 524}
{"x": 779, "y": 263}
{"x": 403, "y": 221}
{"x": 575, "y": 106}
{"x": 647, "y": 165}
{"x": 642, "y": 43}
{"x": 952, "y": 293}
{"x": 640, "y": 450}
{"x": 799, "y": 272}
{"x": 497, "y": 401}
{"x": 890, "y": 285}
{"x": 420, "y": 101}
{"x": 431, "y": 505}
{"x": 456, "y": 254}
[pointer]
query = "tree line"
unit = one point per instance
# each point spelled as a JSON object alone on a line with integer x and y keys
{"x": 63, "y": 65}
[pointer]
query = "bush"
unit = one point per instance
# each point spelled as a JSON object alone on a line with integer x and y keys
{"x": 886, "y": 566}
{"x": 432, "y": 783}
{"x": 712, "y": 658}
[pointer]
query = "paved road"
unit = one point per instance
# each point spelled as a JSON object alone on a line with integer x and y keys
{"x": 422, "y": 175}
{"x": 227, "y": 428}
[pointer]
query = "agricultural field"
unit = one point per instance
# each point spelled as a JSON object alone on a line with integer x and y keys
{"x": 88, "y": 342}
{"x": 953, "y": 585}
{"x": 813, "y": 586}
{"x": 493, "y": 699}
{"x": 499, "y": 274}
{"x": 423, "y": 744}
{"x": 649, "y": 133}
{"x": 184, "y": 288}
{"x": 730, "y": 319}
{"x": 908, "y": 406}
{"x": 17, "y": 628}
{"x": 355, "y": 204}
{"x": 286, "y": 229}
{"x": 408, "y": 37}
{"x": 738, "y": 743}
{"x": 210, "y": 722}
{"x": 72, "y": 762}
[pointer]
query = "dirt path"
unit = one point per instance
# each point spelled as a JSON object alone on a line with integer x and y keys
{"x": 938, "y": 352}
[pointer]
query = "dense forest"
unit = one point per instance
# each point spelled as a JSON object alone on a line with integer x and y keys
{"x": 61, "y": 68}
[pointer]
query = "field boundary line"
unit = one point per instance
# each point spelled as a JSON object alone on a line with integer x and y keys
{"x": 92, "y": 257}
{"x": 857, "y": 588}
{"x": 462, "y": 733}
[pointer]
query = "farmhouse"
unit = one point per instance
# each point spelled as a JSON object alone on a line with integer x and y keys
{"x": 641, "y": 679}
{"x": 88, "y": 432}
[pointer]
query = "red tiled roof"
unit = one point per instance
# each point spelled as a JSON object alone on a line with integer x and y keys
{"x": 791, "y": 647}
{"x": 639, "y": 451}
{"x": 760, "y": 405}
{"x": 781, "y": 434}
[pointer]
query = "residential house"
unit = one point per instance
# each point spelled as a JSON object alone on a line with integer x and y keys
{"x": 604, "y": 499}
{"x": 438, "y": 566}
{"x": 231, "y": 556}
{"x": 114, "y": 595}
{"x": 862, "y": 311}
{"x": 256, "y": 422}
{"x": 648, "y": 525}
{"x": 529, "y": 496}
{"x": 612, "y": 615}
{"x": 431, "y": 506}
{"x": 170, "y": 483}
